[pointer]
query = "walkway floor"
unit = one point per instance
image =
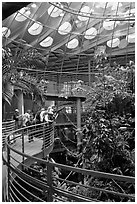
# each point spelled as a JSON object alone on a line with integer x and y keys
{"x": 30, "y": 148}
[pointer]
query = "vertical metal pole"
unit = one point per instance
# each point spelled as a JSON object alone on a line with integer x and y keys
{"x": 49, "y": 182}
{"x": 4, "y": 110}
{"x": 20, "y": 102}
{"x": 53, "y": 133}
{"x": 8, "y": 171}
{"x": 43, "y": 151}
{"x": 58, "y": 88}
{"x": 79, "y": 124}
{"x": 22, "y": 135}
{"x": 89, "y": 73}
{"x": 78, "y": 113}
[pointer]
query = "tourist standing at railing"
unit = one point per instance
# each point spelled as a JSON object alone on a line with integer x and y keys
{"x": 39, "y": 115}
{"x": 50, "y": 114}
{"x": 26, "y": 118}
{"x": 42, "y": 115}
{"x": 48, "y": 119}
{"x": 16, "y": 117}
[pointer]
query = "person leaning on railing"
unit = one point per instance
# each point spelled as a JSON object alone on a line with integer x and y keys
{"x": 39, "y": 116}
{"x": 16, "y": 117}
{"x": 26, "y": 118}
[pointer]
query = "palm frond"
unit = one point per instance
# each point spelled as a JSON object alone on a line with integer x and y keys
{"x": 10, "y": 77}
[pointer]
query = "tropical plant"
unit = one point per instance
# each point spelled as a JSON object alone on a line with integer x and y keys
{"x": 111, "y": 122}
{"x": 14, "y": 77}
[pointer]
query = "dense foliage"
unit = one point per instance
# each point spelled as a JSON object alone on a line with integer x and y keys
{"x": 111, "y": 127}
{"x": 13, "y": 75}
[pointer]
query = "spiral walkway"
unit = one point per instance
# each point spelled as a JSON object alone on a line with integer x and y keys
{"x": 21, "y": 157}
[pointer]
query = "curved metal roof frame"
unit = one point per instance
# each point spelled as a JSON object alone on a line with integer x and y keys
{"x": 75, "y": 59}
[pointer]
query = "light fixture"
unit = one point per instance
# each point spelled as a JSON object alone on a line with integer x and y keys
{"x": 84, "y": 11}
{"x": 47, "y": 42}
{"x": 123, "y": 43}
{"x": 54, "y": 11}
{"x": 90, "y": 33}
{"x": 72, "y": 44}
{"x": 36, "y": 28}
{"x": 23, "y": 14}
{"x": 6, "y": 32}
{"x": 113, "y": 43}
{"x": 65, "y": 28}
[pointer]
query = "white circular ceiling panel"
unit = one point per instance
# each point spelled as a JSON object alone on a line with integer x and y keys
{"x": 54, "y": 11}
{"x": 90, "y": 33}
{"x": 23, "y": 14}
{"x": 47, "y": 42}
{"x": 35, "y": 29}
{"x": 65, "y": 28}
{"x": 84, "y": 11}
{"x": 72, "y": 44}
{"x": 113, "y": 43}
{"x": 6, "y": 32}
{"x": 109, "y": 25}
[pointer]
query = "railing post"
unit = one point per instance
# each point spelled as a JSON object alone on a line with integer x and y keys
{"x": 78, "y": 113}
{"x": 49, "y": 182}
{"x": 43, "y": 146}
{"x": 8, "y": 171}
{"x": 22, "y": 135}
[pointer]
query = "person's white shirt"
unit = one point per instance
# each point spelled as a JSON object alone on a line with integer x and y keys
{"x": 46, "y": 117}
{"x": 25, "y": 118}
{"x": 42, "y": 116}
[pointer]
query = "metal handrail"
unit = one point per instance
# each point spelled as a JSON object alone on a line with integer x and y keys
{"x": 7, "y": 128}
{"x": 50, "y": 191}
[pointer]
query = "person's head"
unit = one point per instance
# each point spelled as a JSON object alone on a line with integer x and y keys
{"x": 29, "y": 111}
{"x": 16, "y": 111}
{"x": 80, "y": 82}
{"x": 42, "y": 109}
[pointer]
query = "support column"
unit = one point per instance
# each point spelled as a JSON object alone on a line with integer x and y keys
{"x": 20, "y": 102}
{"x": 78, "y": 113}
{"x": 89, "y": 73}
{"x": 79, "y": 131}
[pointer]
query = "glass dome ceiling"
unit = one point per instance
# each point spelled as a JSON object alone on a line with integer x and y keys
{"x": 72, "y": 28}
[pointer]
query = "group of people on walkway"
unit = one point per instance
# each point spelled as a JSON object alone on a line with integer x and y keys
{"x": 42, "y": 115}
{"x": 29, "y": 118}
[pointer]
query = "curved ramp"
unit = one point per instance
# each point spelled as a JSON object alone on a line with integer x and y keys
{"x": 43, "y": 185}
